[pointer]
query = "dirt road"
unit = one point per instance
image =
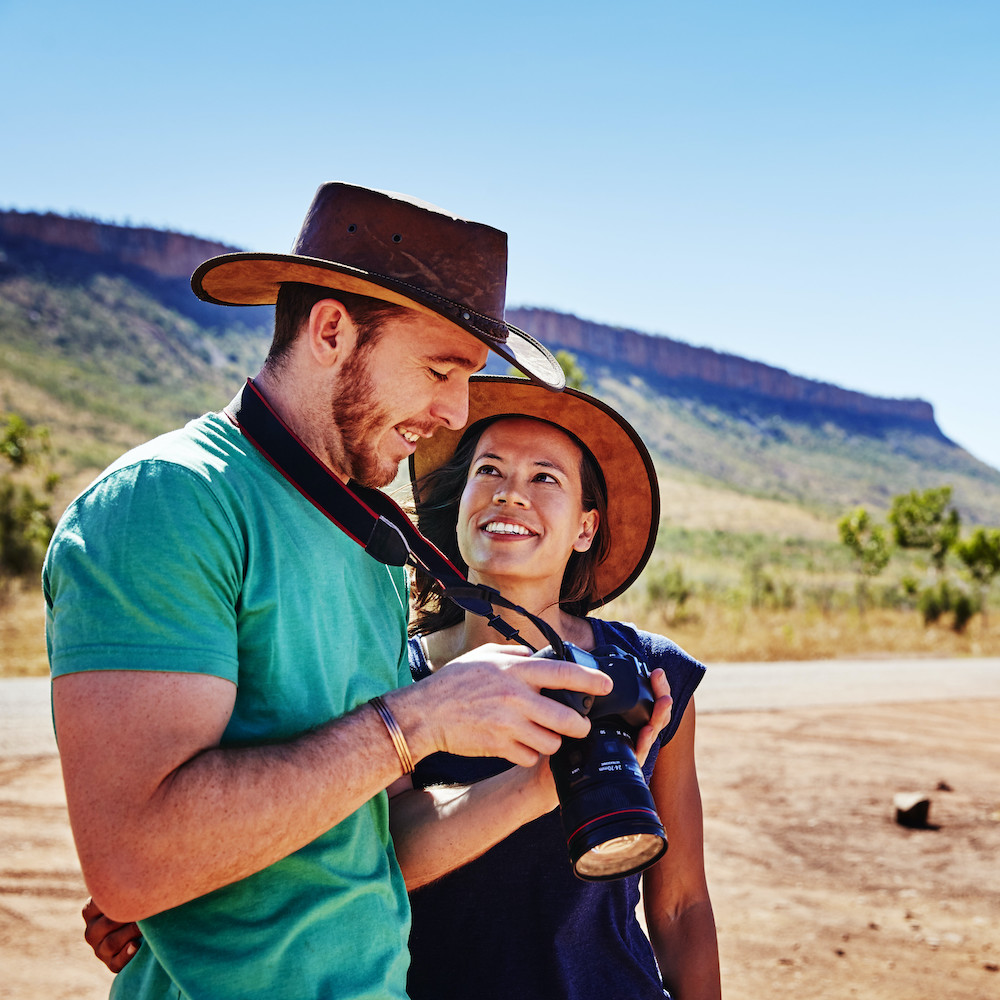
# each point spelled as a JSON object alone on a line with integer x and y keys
{"x": 818, "y": 893}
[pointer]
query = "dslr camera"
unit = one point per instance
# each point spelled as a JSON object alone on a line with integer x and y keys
{"x": 608, "y": 816}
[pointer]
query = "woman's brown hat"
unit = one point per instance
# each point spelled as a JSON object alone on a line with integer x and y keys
{"x": 396, "y": 248}
{"x": 633, "y": 490}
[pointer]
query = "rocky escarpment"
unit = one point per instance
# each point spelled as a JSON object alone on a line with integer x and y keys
{"x": 161, "y": 252}
{"x": 676, "y": 361}
{"x": 171, "y": 256}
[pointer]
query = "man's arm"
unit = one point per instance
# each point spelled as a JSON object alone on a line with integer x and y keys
{"x": 161, "y": 814}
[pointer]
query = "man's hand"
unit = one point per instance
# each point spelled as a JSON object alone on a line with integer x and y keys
{"x": 479, "y": 699}
{"x": 488, "y": 703}
{"x": 115, "y": 944}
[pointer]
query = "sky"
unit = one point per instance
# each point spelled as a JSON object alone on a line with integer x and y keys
{"x": 812, "y": 185}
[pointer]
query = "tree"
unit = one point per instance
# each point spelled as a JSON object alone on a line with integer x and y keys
{"x": 981, "y": 554}
{"x": 869, "y": 546}
{"x": 576, "y": 377}
{"x": 26, "y": 521}
{"x": 926, "y": 521}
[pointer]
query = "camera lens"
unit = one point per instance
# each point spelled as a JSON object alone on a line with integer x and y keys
{"x": 620, "y": 856}
{"x": 608, "y": 814}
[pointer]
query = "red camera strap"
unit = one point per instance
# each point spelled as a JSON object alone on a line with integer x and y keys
{"x": 368, "y": 516}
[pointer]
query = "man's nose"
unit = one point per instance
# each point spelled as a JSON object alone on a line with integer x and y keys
{"x": 451, "y": 405}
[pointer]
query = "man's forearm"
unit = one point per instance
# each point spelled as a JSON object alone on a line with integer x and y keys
{"x": 216, "y": 817}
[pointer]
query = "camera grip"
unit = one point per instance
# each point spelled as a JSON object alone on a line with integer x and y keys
{"x": 576, "y": 700}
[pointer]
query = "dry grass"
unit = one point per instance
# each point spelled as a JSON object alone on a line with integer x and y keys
{"x": 719, "y": 633}
{"x": 22, "y": 634}
{"x": 712, "y": 632}
{"x": 698, "y": 506}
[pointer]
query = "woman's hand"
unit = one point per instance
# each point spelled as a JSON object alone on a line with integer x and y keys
{"x": 660, "y": 717}
{"x": 114, "y": 944}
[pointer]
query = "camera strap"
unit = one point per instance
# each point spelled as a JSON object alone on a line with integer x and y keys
{"x": 366, "y": 515}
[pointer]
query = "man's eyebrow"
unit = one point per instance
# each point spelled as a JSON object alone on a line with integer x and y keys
{"x": 458, "y": 360}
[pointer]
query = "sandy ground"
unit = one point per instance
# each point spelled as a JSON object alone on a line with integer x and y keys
{"x": 818, "y": 892}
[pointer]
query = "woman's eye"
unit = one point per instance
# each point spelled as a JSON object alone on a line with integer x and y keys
{"x": 546, "y": 477}
{"x": 487, "y": 470}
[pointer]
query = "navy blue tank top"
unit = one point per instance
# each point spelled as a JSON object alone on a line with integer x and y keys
{"x": 517, "y": 922}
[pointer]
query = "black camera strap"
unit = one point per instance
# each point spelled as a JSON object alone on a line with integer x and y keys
{"x": 366, "y": 515}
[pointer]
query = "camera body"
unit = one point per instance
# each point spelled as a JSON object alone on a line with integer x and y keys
{"x": 607, "y": 811}
{"x": 631, "y": 698}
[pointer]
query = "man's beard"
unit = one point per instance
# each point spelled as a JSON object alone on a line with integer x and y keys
{"x": 360, "y": 419}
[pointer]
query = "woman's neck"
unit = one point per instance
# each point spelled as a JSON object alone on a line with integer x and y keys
{"x": 475, "y": 630}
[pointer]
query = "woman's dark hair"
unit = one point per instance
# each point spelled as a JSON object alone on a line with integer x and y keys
{"x": 295, "y": 301}
{"x": 439, "y": 493}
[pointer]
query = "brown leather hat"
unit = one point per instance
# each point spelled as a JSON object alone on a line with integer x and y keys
{"x": 396, "y": 248}
{"x": 633, "y": 489}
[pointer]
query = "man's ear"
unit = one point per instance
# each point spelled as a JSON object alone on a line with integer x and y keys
{"x": 330, "y": 332}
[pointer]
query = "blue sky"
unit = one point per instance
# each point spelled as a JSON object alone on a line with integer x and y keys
{"x": 814, "y": 185}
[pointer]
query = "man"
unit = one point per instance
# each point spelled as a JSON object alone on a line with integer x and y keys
{"x": 229, "y": 667}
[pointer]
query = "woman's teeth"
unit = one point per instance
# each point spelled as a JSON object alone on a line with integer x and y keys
{"x": 499, "y": 528}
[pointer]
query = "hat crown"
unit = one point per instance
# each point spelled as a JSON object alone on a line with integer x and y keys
{"x": 411, "y": 242}
{"x": 396, "y": 248}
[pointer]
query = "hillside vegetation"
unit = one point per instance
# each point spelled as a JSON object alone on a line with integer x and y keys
{"x": 759, "y": 430}
{"x": 107, "y": 356}
{"x": 748, "y": 565}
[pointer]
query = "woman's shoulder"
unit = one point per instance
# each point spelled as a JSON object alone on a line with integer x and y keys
{"x": 682, "y": 669}
{"x": 429, "y": 650}
{"x": 684, "y": 672}
{"x": 651, "y": 644}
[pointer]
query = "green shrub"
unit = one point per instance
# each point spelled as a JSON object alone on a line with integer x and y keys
{"x": 932, "y": 603}
{"x": 26, "y": 520}
{"x": 964, "y": 608}
{"x": 668, "y": 589}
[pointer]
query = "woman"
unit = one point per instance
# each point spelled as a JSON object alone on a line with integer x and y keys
{"x": 559, "y": 523}
{"x": 552, "y": 500}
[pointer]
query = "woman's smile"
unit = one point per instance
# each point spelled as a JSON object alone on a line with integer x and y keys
{"x": 521, "y": 514}
{"x": 507, "y": 528}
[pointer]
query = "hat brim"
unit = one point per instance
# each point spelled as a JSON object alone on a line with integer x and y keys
{"x": 253, "y": 279}
{"x": 633, "y": 489}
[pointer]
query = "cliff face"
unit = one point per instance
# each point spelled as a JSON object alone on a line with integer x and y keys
{"x": 166, "y": 254}
{"x": 674, "y": 360}
{"x": 173, "y": 255}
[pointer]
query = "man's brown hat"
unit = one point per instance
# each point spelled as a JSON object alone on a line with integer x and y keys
{"x": 633, "y": 489}
{"x": 396, "y": 248}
